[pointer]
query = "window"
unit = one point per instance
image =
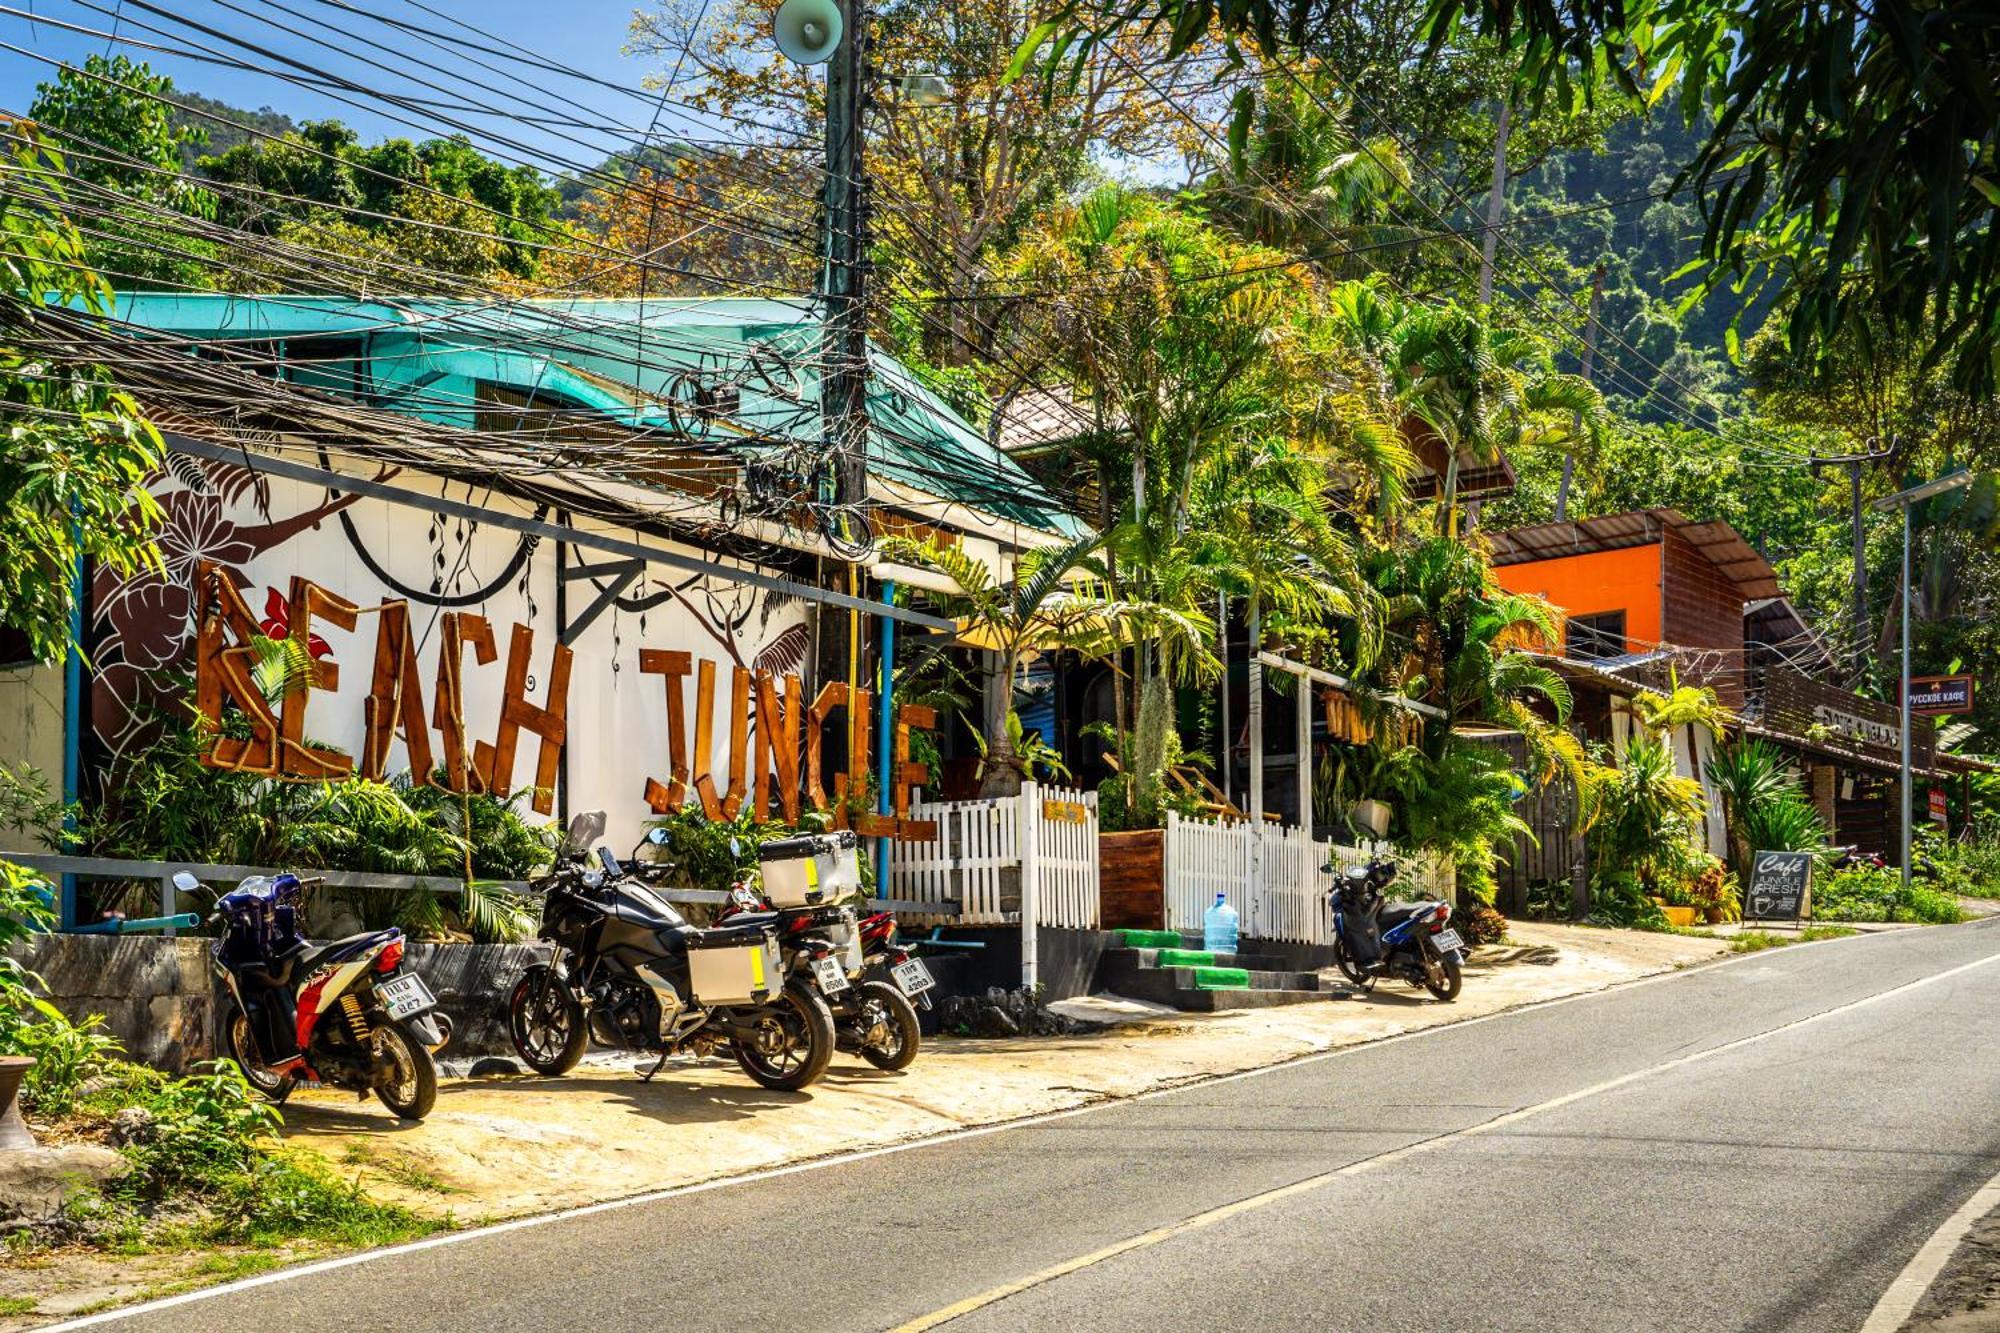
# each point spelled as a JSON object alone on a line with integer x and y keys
{"x": 1592, "y": 638}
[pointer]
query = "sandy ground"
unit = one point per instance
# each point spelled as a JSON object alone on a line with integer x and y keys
{"x": 505, "y": 1146}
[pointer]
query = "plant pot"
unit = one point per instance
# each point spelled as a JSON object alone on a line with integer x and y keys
{"x": 13, "y": 1130}
{"x": 1373, "y": 817}
{"x": 1132, "y": 879}
{"x": 1680, "y": 917}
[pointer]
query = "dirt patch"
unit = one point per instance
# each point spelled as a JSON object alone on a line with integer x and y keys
{"x": 1966, "y": 1296}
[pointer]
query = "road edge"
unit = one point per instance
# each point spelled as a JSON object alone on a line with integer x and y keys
{"x": 1900, "y": 1299}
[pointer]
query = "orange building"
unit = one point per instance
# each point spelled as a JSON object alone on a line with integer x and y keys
{"x": 1643, "y": 582}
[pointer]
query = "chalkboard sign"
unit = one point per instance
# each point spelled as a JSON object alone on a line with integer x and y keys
{"x": 1779, "y": 882}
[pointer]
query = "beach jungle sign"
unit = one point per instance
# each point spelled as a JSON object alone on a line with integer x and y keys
{"x": 441, "y": 647}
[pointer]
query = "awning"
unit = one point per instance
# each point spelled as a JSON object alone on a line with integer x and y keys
{"x": 1838, "y": 754}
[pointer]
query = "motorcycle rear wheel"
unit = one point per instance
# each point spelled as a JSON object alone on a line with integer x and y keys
{"x": 898, "y": 1020}
{"x": 546, "y": 1022}
{"x": 1356, "y": 977}
{"x": 1442, "y": 979}
{"x": 273, "y": 1087}
{"x": 415, "y": 1090}
{"x": 795, "y": 1042}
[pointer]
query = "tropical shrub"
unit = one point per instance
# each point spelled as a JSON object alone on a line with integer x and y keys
{"x": 1865, "y": 893}
{"x": 1715, "y": 892}
{"x": 1648, "y": 819}
{"x": 1619, "y": 898}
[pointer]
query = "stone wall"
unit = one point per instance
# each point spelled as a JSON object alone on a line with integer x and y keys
{"x": 157, "y": 995}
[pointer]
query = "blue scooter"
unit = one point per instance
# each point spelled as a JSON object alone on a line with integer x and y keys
{"x": 1375, "y": 938}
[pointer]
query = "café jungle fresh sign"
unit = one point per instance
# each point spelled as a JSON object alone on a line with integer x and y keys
{"x": 775, "y": 735}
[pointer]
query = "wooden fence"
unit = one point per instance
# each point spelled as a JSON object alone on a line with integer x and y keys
{"x": 990, "y": 854}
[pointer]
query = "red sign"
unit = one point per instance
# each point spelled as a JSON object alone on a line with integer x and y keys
{"x": 1939, "y": 814}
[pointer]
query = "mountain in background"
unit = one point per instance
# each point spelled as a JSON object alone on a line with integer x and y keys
{"x": 1648, "y": 354}
{"x": 222, "y": 132}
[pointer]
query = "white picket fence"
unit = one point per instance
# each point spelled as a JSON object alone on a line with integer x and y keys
{"x": 992, "y": 854}
{"x": 1205, "y": 857}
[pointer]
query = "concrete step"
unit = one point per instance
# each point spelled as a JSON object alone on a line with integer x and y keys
{"x": 1264, "y": 962}
{"x": 1135, "y": 973}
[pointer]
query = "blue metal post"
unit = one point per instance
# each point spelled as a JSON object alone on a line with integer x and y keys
{"x": 885, "y": 733}
{"x": 74, "y": 704}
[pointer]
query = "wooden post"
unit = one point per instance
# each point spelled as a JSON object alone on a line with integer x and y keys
{"x": 1304, "y": 732}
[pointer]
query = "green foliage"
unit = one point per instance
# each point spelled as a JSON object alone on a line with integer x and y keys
{"x": 714, "y": 853}
{"x": 75, "y": 452}
{"x": 1619, "y": 898}
{"x": 1754, "y": 941}
{"x": 413, "y": 200}
{"x": 1649, "y": 819}
{"x": 1864, "y": 893}
{"x": 113, "y": 118}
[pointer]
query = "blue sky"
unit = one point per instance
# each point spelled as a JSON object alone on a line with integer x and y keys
{"x": 586, "y": 35}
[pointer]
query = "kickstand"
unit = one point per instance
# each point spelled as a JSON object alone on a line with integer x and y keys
{"x": 658, "y": 1064}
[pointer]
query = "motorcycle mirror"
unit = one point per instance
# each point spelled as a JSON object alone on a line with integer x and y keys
{"x": 657, "y": 836}
{"x": 185, "y": 882}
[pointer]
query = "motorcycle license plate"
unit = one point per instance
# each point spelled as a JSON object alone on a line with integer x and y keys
{"x": 406, "y": 996}
{"x": 829, "y": 974}
{"x": 1447, "y": 940}
{"x": 913, "y": 977}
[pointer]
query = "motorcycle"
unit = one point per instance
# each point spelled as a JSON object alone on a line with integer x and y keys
{"x": 828, "y": 949}
{"x": 281, "y": 1026}
{"x": 628, "y": 971}
{"x": 1851, "y": 855}
{"x": 1375, "y": 938}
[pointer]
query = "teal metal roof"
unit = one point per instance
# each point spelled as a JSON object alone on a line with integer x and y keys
{"x": 639, "y": 363}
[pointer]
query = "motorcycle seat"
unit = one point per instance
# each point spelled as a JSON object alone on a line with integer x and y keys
{"x": 1393, "y": 914}
{"x": 335, "y": 951}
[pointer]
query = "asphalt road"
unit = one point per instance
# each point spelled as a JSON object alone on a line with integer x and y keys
{"x": 1761, "y": 1144}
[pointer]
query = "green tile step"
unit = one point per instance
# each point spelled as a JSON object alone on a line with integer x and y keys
{"x": 1184, "y": 958}
{"x": 1152, "y": 939}
{"x": 1221, "y": 978}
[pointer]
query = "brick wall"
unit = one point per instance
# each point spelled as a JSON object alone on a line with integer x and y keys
{"x": 1703, "y": 609}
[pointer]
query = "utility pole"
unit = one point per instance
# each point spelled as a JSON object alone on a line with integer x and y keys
{"x": 1907, "y": 501}
{"x": 844, "y": 285}
{"x": 1854, "y": 463}
{"x": 1496, "y": 202}
{"x": 1589, "y": 365}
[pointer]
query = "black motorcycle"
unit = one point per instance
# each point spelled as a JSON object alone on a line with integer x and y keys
{"x": 629, "y": 972}
{"x": 1375, "y": 938}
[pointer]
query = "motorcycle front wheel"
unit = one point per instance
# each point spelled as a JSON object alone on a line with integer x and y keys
{"x": 273, "y": 1087}
{"x": 1441, "y": 977}
{"x": 793, "y": 1041}
{"x": 1356, "y": 977}
{"x": 409, "y": 1087}
{"x": 546, "y": 1022}
{"x": 887, "y": 1022}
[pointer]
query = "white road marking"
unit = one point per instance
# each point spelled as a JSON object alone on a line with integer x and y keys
{"x": 1160, "y": 1235}
{"x": 865, "y": 1154}
{"x": 1902, "y": 1295}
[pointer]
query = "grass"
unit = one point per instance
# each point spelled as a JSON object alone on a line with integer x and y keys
{"x": 1751, "y": 941}
{"x": 401, "y": 1169}
{"x": 17, "y": 1305}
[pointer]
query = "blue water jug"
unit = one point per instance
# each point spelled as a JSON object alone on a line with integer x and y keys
{"x": 1218, "y": 927}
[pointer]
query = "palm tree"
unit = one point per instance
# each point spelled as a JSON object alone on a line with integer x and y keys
{"x": 1059, "y": 600}
{"x": 1477, "y": 390}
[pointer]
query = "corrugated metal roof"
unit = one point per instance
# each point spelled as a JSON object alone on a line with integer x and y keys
{"x": 638, "y": 363}
{"x": 1723, "y": 546}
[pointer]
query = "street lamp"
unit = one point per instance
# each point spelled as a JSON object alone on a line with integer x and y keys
{"x": 1951, "y": 481}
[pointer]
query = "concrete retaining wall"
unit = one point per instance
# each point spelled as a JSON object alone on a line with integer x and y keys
{"x": 157, "y": 995}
